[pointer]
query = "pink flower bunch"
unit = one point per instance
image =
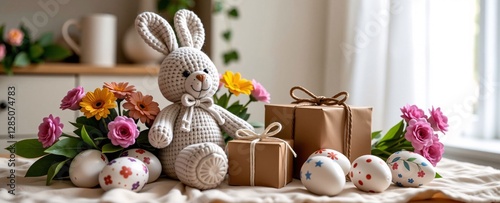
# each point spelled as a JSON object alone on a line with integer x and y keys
{"x": 72, "y": 99}
{"x": 15, "y": 37}
{"x": 421, "y": 131}
{"x": 259, "y": 93}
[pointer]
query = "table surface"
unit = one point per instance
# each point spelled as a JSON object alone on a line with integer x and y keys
{"x": 461, "y": 182}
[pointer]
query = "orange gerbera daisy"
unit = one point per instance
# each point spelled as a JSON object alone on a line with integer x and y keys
{"x": 98, "y": 103}
{"x": 236, "y": 84}
{"x": 120, "y": 90}
{"x": 141, "y": 107}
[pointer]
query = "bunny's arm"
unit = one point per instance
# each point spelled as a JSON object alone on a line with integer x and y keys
{"x": 232, "y": 122}
{"x": 161, "y": 132}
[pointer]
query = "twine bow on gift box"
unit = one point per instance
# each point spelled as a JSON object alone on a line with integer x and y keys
{"x": 338, "y": 99}
{"x": 245, "y": 134}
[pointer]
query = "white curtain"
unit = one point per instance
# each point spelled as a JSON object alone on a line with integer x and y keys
{"x": 487, "y": 122}
{"x": 383, "y": 61}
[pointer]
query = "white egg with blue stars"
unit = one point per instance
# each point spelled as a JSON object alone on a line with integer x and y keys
{"x": 322, "y": 176}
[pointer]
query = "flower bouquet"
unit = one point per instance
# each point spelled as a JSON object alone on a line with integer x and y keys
{"x": 237, "y": 85}
{"x": 18, "y": 49}
{"x": 416, "y": 132}
{"x": 104, "y": 127}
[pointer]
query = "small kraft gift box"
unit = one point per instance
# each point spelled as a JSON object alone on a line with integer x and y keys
{"x": 322, "y": 122}
{"x": 260, "y": 159}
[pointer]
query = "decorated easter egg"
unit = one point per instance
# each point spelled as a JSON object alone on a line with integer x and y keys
{"x": 85, "y": 167}
{"x": 370, "y": 173}
{"x": 410, "y": 169}
{"x": 322, "y": 176}
{"x": 336, "y": 156}
{"x": 124, "y": 172}
{"x": 151, "y": 161}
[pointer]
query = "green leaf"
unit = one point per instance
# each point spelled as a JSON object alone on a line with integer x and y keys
{"x": 218, "y": 6}
{"x": 393, "y": 132}
{"x": 45, "y": 39}
{"x": 223, "y": 101}
{"x": 407, "y": 166}
{"x": 21, "y": 59}
{"x": 411, "y": 159}
{"x": 29, "y": 148}
{"x": 68, "y": 147}
{"x": 55, "y": 52}
{"x": 437, "y": 175}
{"x": 230, "y": 56}
{"x": 227, "y": 35}
{"x": 110, "y": 148}
{"x": 376, "y": 134}
{"x": 53, "y": 170}
{"x": 233, "y": 13}
{"x": 235, "y": 108}
{"x": 36, "y": 51}
{"x": 395, "y": 159}
{"x": 42, "y": 165}
{"x": 86, "y": 138}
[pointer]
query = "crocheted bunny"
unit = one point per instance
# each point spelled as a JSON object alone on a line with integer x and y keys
{"x": 189, "y": 131}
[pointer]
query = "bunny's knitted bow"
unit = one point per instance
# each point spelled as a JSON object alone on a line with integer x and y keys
{"x": 190, "y": 102}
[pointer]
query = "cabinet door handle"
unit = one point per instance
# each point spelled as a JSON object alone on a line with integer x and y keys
{"x": 3, "y": 105}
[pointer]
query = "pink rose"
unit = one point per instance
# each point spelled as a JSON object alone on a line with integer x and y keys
{"x": 438, "y": 121}
{"x": 2, "y": 51}
{"x": 72, "y": 99}
{"x": 260, "y": 93}
{"x": 15, "y": 37}
{"x": 434, "y": 152}
{"x": 412, "y": 112}
{"x": 49, "y": 131}
{"x": 220, "y": 82}
{"x": 419, "y": 132}
{"x": 122, "y": 131}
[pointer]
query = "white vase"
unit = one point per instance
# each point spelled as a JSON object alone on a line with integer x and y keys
{"x": 135, "y": 49}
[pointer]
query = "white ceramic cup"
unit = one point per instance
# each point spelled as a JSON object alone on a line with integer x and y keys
{"x": 98, "y": 39}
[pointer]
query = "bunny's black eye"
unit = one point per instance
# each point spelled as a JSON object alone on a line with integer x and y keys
{"x": 186, "y": 73}
{"x": 205, "y": 70}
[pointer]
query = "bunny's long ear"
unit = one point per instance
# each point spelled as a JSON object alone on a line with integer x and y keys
{"x": 189, "y": 29}
{"x": 156, "y": 32}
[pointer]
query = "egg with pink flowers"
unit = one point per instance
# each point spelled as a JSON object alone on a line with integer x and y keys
{"x": 370, "y": 173}
{"x": 151, "y": 161}
{"x": 335, "y": 156}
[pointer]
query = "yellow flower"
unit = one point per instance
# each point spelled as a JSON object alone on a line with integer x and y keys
{"x": 236, "y": 84}
{"x": 98, "y": 103}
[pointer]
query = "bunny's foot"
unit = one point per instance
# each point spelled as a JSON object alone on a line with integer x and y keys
{"x": 203, "y": 166}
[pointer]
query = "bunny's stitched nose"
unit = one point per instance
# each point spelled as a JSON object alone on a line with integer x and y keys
{"x": 200, "y": 77}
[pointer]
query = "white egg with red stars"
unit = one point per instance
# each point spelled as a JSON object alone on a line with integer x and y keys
{"x": 85, "y": 167}
{"x": 336, "y": 156}
{"x": 151, "y": 161}
{"x": 322, "y": 176}
{"x": 370, "y": 174}
{"x": 410, "y": 169}
{"x": 124, "y": 172}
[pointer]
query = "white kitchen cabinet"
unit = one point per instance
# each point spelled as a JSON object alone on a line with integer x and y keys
{"x": 35, "y": 98}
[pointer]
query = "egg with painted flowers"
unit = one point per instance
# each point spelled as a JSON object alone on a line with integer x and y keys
{"x": 124, "y": 172}
{"x": 370, "y": 174}
{"x": 322, "y": 176}
{"x": 410, "y": 169}
{"x": 151, "y": 161}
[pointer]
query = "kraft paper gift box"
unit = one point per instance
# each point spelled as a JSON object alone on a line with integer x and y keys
{"x": 273, "y": 163}
{"x": 314, "y": 127}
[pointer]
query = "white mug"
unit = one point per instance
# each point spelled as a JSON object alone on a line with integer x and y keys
{"x": 98, "y": 39}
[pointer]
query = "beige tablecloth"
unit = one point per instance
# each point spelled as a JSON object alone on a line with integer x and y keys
{"x": 462, "y": 182}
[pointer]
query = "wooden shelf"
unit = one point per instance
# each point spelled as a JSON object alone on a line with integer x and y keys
{"x": 83, "y": 69}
